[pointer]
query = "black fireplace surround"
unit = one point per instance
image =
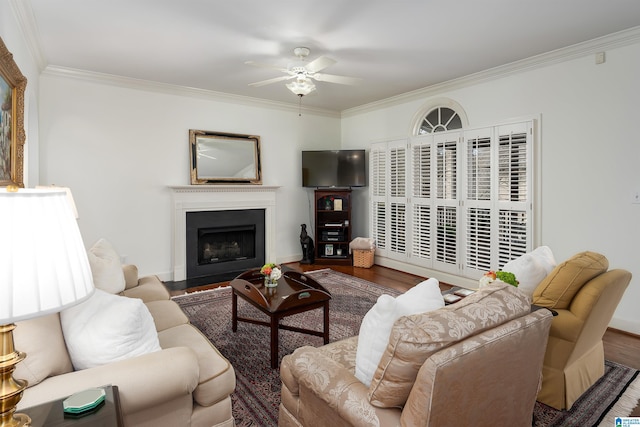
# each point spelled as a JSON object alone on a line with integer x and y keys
{"x": 222, "y": 244}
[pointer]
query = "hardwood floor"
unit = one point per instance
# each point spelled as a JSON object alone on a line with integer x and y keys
{"x": 380, "y": 275}
{"x": 619, "y": 346}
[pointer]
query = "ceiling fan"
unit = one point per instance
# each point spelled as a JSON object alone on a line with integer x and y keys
{"x": 303, "y": 75}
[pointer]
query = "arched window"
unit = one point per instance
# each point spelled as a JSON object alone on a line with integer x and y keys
{"x": 440, "y": 119}
{"x": 439, "y": 115}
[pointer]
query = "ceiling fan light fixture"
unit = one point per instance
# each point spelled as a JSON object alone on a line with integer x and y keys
{"x": 301, "y": 87}
{"x": 301, "y": 52}
{"x": 303, "y": 74}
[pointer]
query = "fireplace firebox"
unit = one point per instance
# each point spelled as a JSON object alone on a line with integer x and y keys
{"x": 222, "y": 244}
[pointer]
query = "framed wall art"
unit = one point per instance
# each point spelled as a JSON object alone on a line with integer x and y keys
{"x": 219, "y": 158}
{"x": 12, "y": 133}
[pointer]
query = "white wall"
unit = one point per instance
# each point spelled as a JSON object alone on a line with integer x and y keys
{"x": 119, "y": 148}
{"x": 13, "y": 38}
{"x": 589, "y": 151}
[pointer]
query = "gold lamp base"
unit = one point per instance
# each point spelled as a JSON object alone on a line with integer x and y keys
{"x": 10, "y": 389}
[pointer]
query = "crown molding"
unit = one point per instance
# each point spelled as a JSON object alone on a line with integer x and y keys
{"x": 27, "y": 23}
{"x": 611, "y": 41}
{"x": 170, "y": 89}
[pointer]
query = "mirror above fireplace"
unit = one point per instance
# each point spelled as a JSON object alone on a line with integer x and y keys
{"x": 224, "y": 158}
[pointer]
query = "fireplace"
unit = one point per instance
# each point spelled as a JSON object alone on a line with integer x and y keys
{"x": 222, "y": 244}
{"x": 226, "y": 244}
{"x": 190, "y": 199}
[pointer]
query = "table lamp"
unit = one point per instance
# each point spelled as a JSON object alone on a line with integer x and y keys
{"x": 43, "y": 269}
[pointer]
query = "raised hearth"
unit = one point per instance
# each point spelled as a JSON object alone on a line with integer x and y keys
{"x": 208, "y": 198}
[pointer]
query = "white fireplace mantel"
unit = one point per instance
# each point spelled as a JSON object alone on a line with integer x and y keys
{"x": 199, "y": 198}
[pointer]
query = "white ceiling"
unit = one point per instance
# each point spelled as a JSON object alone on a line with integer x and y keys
{"x": 394, "y": 46}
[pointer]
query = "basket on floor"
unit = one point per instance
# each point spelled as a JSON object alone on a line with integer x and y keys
{"x": 363, "y": 258}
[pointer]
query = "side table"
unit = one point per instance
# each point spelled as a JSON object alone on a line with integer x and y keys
{"x": 51, "y": 414}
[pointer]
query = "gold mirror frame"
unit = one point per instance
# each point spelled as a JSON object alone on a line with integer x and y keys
{"x": 12, "y": 134}
{"x": 224, "y": 158}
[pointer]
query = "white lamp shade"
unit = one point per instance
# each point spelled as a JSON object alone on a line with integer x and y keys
{"x": 43, "y": 262}
{"x": 74, "y": 209}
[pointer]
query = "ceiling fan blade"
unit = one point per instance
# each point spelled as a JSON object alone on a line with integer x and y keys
{"x": 269, "y": 81}
{"x": 261, "y": 65}
{"x": 343, "y": 80}
{"x": 319, "y": 64}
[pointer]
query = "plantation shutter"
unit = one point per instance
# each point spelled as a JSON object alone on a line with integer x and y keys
{"x": 378, "y": 189}
{"x": 478, "y": 201}
{"x": 514, "y": 193}
{"x": 397, "y": 199}
{"x": 458, "y": 201}
{"x": 446, "y": 202}
{"x": 421, "y": 198}
{"x": 497, "y": 204}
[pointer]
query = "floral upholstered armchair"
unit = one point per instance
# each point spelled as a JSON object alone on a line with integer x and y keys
{"x": 476, "y": 362}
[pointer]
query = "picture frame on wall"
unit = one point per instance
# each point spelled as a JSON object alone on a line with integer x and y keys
{"x": 224, "y": 158}
{"x": 12, "y": 134}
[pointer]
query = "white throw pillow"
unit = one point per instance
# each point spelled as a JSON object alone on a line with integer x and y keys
{"x": 107, "y": 328}
{"x": 106, "y": 267}
{"x": 377, "y": 323}
{"x": 531, "y": 268}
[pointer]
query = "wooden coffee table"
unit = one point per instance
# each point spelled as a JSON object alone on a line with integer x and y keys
{"x": 295, "y": 293}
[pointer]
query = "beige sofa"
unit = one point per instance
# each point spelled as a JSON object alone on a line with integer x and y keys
{"x": 476, "y": 362}
{"x": 186, "y": 383}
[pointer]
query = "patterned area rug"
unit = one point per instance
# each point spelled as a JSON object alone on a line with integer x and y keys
{"x": 257, "y": 395}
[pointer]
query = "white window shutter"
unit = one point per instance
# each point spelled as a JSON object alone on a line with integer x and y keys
{"x": 377, "y": 170}
{"x": 397, "y": 225}
{"x": 458, "y": 202}
{"x": 447, "y": 232}
{"x": 421, "y": 202}
{"x": 447, "y": 237}
{"x": 378, "y": 190}
{"x": 379, "y": 224}
{"x": 478, "y": 218}
{"x": 478, "y": 167}
{"x": 398, "y": 170}
{"x": 421, "y": 168}
{"x": 398, "y": 228}
{"x": 421, "y": 232}
{"x": 512, "y": 235}
{"x": 514, "y": 195}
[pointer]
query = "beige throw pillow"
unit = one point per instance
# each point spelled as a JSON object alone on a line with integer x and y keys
{"x": 106, "y": 267}
{"x": 42, "y": 340}
{"x": 561, "y": 285}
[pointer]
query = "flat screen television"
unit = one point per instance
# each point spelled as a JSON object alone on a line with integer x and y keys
{"x": 334, "y": 168}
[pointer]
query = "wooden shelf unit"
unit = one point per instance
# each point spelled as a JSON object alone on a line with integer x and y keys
{"x": 333, "y": 226}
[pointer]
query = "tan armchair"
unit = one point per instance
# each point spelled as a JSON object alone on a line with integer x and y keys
{"x": 585, "y": 296}
{"x": 476, "y": 362}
